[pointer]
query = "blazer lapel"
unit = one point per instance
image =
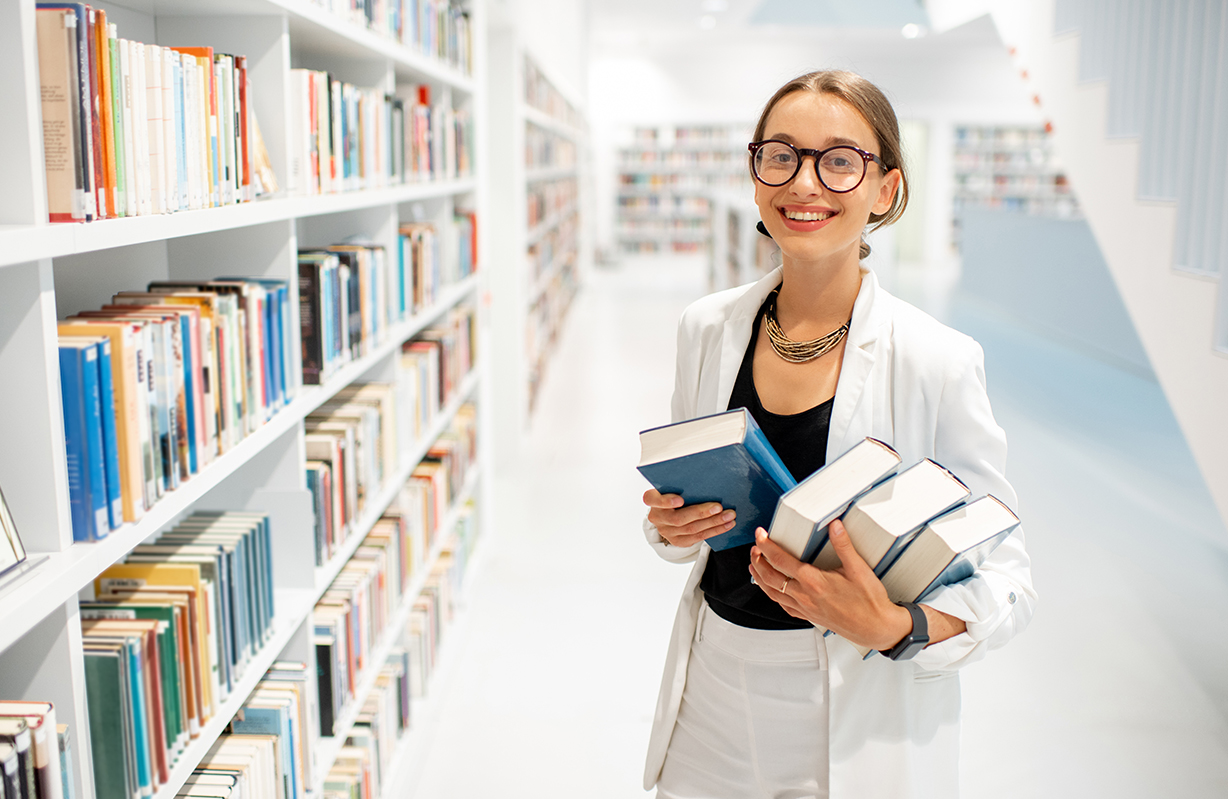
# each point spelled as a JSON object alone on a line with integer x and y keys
{"x": 859, "y": 356}
{"x": 737, "y": 335}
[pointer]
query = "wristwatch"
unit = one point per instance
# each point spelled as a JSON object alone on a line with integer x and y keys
{"x": 916, "y": 640}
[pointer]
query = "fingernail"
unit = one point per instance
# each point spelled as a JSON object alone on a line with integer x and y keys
{"x": 760, "y": 535}
{"x": 714, "y": 510}
{"x": 676, "y": 502}
{"x": 729, "y": 525}
{"x": 728, "y": 515}
{"x": 835, "y": 530}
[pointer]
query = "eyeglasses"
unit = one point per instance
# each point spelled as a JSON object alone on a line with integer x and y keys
{"x": 840, "y": 169}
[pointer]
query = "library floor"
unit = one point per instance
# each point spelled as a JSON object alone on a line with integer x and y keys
{"x": 1117, "y": 689}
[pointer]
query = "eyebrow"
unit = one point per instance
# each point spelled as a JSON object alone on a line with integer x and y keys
{"x": 834, "y": 141}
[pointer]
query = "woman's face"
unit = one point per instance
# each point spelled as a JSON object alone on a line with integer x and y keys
{"x": 810, "y": 223}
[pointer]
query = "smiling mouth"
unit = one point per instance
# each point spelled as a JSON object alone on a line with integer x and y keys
{"x": 808, "y": 216}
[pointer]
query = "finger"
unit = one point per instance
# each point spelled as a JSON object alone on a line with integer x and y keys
{"x": 764, "y": 573}
{"x": 850, "y": 559}
{"x": 781, "y": 560}
{"x": 655, "y": 499}
{"x": 710, "y": 525}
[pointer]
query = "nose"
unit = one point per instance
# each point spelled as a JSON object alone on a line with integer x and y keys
{"x": 807, "y": 180}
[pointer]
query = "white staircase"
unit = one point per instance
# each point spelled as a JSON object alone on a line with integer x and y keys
{"x": 1137, "y": 95}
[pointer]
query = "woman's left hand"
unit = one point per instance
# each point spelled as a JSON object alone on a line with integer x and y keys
{"x": 850, "y": 601}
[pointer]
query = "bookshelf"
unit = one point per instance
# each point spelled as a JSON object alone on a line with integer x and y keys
{"x": 50, "y": 271}
{"x": 739, "y": 252}
{"x": 539, "y": 174}
{"x": 1013, "y": 168}
{"x": 665, "y": 178}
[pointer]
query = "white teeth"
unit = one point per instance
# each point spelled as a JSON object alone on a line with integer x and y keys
{"x": 802, "y": 216}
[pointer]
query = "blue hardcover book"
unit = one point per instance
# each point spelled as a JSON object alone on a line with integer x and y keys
{"x": 83, "y": 439}
{"x": 110, "y": 443}
{"x": 800, "y": 524}
{"x": 189, "y": 388}
{"x": 721, "y": 458}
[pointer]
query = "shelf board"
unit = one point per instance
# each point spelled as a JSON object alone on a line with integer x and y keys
{"x": 24, "y": 243}
{"x": 329, "y": 746}
{"x": 28, "y": 600}
{"x": 539, "y": 174}
{"x": 544, "y": 120}
{"x": 325, "y": 574}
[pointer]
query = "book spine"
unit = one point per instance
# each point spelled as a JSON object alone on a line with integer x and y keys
{"x": 72, "y": 394}
{"x": 95, "y": 103}
{"x": 151, "y": 63}
{"x": 85, "y": 118}
{"x": 110, "y": 442}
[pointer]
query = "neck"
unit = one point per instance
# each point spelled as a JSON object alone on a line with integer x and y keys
{"x": 817, "y": 297}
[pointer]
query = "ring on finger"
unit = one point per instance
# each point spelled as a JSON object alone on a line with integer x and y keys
{"x": 784, "y": 589}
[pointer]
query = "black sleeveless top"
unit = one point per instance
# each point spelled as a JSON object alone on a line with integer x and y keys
{"x": 800, "y": 440}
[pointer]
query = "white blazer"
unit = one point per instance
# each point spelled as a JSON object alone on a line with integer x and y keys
{"x": 918, "y": 385}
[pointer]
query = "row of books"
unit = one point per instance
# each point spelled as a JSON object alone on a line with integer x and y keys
{"x": 550, "y": 197}
{"x": 558, "y": 245}
{"x": 131, "y": 129}
{"x": 545, "y": 149}
{"x": 352, "y": 449}
{"x": 352, "y": 616}
{"x": 439, "y": 28}
{"x": 346, "y": 138}
{"x": 918, "y": 528}
{"x": 541, "y": 94}
{"x": 36, "y": 760}
{"x": 12, "y": 551}
{"x": 435, "y": 364}
{"x": 159, "y": 383}
{"x": 166, "y": 639}
{"x": 364, "y": 763}
{"x": 352, "y": 294}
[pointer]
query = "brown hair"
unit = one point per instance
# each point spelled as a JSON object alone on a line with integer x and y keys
{"x": 874, "y": 106}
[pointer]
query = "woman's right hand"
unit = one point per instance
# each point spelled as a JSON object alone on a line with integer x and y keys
{"x": 684, "y": 526}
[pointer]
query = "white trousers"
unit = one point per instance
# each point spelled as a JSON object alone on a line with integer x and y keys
{"x": 753, "y": 720}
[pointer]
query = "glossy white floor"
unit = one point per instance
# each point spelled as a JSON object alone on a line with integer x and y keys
{"x": 1118, "y": 688}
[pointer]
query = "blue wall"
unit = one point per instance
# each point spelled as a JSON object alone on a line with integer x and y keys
{"x": 1048, "y": 275}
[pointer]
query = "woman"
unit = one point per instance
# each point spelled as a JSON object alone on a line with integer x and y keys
{"x": 753, "y": 702}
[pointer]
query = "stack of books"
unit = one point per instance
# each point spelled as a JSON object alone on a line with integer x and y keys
{"x": 352, "y": 451}
{"x": 167, "y": 638}
{"x": 131, "y": 129}
{"x": 159, "y": 383}
{"x": 35, "y": 753}
{"x": 280, "y": 707}
{"x": 918, "y": 529}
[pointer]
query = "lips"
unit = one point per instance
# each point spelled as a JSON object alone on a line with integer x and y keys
{"x": 805, "y": 220}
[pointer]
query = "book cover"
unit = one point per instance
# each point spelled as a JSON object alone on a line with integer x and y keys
{"x": 104, "y": 677}
{"x": 56, "y": 45}
{"x": 83, "y": 439}
{"x": 800, "y": 524}
{"x": 83, "y": 128}
{"x": 67, "y": 776}
{"x": 742, "y": 473}
{"x": 110, "y": 439}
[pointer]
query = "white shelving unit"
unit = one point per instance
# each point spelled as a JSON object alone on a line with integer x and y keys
{"x": 50, "y": 271}
{"x": 541, "y": 245}
{"x": 739, "y": 253}
{"x": 666, "y": 177}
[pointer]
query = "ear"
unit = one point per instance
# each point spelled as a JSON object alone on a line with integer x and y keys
{"x": 887, "y": 191}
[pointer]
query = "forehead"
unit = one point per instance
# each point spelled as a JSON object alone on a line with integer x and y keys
{"x": 808, "y": 119}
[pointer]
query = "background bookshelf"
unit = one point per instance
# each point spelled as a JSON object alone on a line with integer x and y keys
{"x": 665, "y": 177}
{"x": 539, "y": 177}
{"x": 739, "y": 252}
{"x": 50, "y": 271}
{"x": 1013, "y": 168}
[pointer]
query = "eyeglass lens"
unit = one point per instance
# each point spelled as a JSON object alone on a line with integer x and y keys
{"x": 840, "y": 168}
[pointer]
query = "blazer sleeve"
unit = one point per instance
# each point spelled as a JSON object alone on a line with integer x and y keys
{"x": 682, "y": 407}
{"x": 997, "y": 601}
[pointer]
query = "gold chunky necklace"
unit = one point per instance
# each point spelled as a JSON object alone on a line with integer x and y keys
{"x": 800, "y": 351}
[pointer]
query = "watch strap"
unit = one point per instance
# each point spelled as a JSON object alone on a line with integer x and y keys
{"x": 916, "y": 640}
